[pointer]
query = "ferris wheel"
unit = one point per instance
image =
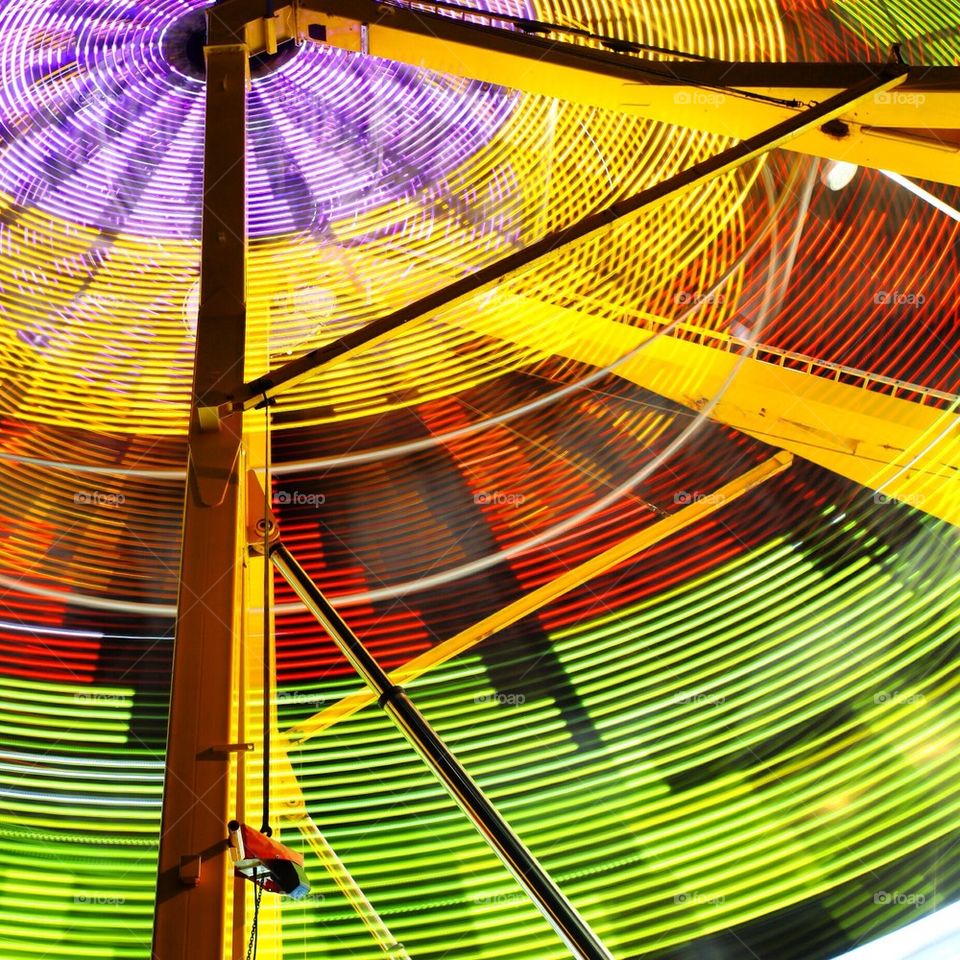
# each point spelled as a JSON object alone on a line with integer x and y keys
{"x": 584, "y": 378}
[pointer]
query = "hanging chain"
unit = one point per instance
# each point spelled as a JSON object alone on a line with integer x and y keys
{"x": 254, "y": 928}
{"x": 265, "y": 827}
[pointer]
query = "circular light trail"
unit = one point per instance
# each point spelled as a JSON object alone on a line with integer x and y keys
{"x": 750, "y": 727}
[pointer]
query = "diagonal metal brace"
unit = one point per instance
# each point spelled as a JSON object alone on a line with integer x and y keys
{"x": 253, "y": 394}
{"x": 558, "y": 911}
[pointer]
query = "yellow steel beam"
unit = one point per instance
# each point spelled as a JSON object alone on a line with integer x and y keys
{"x": 515, "y": 264}
{"x": 905, "y": 450}
{"x": 913, "y": 131}
{"x": 195, "y": 885}
{"x": 539, "y": 598}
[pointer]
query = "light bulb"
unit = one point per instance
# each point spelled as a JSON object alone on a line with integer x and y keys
{"x": 837, "y": 174}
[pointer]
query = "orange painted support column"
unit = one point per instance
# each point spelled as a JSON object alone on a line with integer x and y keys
{"x": 195, "y": 883}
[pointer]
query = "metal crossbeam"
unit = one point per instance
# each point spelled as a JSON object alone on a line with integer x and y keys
{"x": 916, "y": 132}
{"x": 538, "y": 599}
{"x": 294, "y": 371}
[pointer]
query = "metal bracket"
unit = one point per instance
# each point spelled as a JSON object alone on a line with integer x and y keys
{"x": 224, "y": 748}
{"x": 260, "y": 518}
{"x": 270, "y": 33}
{"x": 209, "y": 451}
{"x": 208, "y": 419}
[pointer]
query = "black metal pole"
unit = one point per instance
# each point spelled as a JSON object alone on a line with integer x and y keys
{"x": 560, "y": 913}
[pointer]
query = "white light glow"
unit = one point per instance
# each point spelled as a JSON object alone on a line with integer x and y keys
{"x": 934, "y": 937}
{"x": 917, "y": 191}
{"x": 837, "y": 174}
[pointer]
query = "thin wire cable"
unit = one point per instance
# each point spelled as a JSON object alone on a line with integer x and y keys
{"x": 265, "y": 827}
{"x": 614, "y": 44}
{"x": 526, "y": 25}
